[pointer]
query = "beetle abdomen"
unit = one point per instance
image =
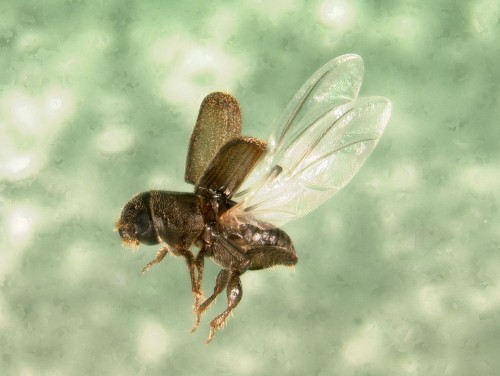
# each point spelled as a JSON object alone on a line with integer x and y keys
{"x": 255, "y": 237}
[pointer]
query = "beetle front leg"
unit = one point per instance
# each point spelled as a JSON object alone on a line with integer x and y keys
{"x": 234, "y": 293}
{"x": 159, "y": 257}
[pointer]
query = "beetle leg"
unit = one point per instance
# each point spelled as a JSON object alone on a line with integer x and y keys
{"x": 190, "y": 262}
{"x": 199, "y": 264}
{"x": 220, "y": 284}
{"x": 234, "y": 293}
{"x": 159, "y": 257}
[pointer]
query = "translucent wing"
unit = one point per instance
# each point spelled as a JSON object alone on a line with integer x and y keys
{"x": 315, "y": 149}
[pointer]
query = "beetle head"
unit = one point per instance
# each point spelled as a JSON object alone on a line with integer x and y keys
{"x": 136, "y": 223}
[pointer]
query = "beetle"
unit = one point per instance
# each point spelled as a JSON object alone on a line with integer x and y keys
{"x": 245, "y": 188}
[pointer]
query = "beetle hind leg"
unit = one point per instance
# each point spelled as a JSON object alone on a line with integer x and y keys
{"x": 234, "y": 293}
{"x": 220, "y": 284}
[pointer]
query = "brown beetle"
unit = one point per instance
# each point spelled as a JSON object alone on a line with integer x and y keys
{"x": 245, "y": 188}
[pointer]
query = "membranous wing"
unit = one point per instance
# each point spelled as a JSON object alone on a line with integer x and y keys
{"x": 323, "y": 138}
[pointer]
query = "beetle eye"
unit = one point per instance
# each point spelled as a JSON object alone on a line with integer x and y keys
{"x": 144, "y": 229}
{"x": 142, "y": 223}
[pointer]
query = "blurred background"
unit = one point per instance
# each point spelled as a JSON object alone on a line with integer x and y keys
{"x": 399, "y": 274}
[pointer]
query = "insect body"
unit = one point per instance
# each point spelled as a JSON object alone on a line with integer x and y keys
{"x": 244, "y": 188}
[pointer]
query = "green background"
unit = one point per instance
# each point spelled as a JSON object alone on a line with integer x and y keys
{"x": 399, "y": 274}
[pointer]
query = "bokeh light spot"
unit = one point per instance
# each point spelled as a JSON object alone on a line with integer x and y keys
{"x": 114, "y": 140}
{"x": 153, "y": 342}
{"x": 18, "y": 163}
{"x": 364, "y": 347}
{"x": 20, "y": 223}
{"x": 195, "y": 69}
{"x": 337, "y": 14}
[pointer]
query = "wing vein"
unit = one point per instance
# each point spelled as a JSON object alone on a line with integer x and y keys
{"x": 329, "y": 154}
{"x": 297, "y": 109}
{"x": 319, "y": 138}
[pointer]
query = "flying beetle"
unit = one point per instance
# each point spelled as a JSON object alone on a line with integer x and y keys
{"x": 245, "y": 188}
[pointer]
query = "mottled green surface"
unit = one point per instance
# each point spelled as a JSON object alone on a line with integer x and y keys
{"x": 399, "y": 274}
